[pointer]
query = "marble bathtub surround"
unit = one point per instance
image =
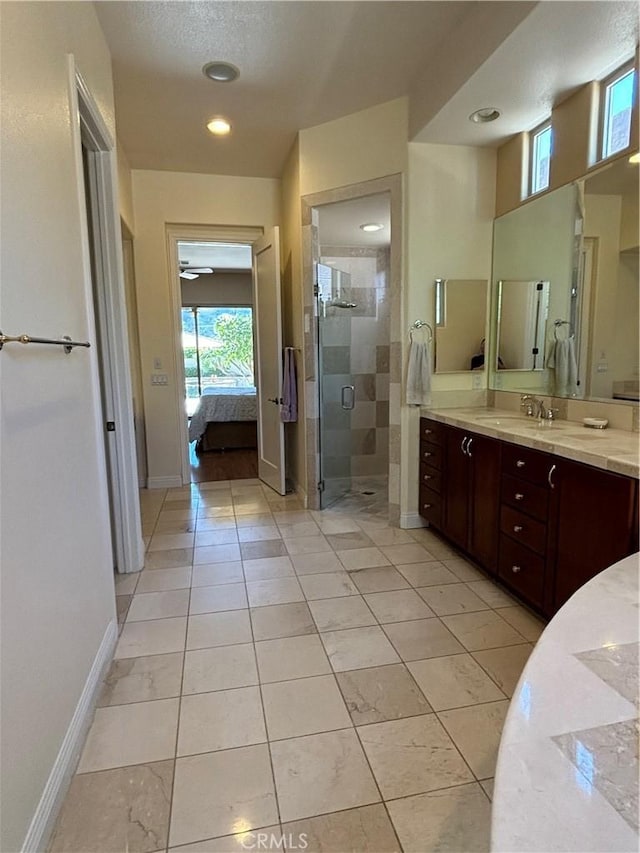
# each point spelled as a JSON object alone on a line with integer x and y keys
{"x": 578, "y": 748}
{"x": 317, "y": 692}
{"x": 613, "y": 449}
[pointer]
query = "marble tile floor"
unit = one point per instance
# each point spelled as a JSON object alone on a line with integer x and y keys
{"x": 367, "y": 496}
{"x": 320, "y": 676}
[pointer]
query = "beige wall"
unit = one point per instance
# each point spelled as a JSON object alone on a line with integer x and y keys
{"x": 218, "y": 289}
{"x": 162, "y": 198}
{"x": 292, "y": 302}
{"x": 466, "y": 325}
{"x": 368, "y": 144}
{"x": 57, "y": 580}
{"x": 450, "y": 206}
{"x": 125, "y": 191}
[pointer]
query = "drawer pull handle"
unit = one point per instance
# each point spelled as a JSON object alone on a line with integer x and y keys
{"x": 427, "y": 477}
{"x": 428, "y": 431}
{"x": 427, "y": 453}
{"x": 426, "y": 506}
{"x": 519, "y": 496}
{"x": 516, "y": 569}
{"x": 520, "y": 463}
{"x": 517, "y": 528}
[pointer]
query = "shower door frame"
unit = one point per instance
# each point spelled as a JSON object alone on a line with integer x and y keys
{"x": 391, "y": 184}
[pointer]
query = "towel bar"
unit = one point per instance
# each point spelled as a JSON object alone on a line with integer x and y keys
{"x": 65, "y": 342}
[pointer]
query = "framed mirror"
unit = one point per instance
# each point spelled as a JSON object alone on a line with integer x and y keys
{"x": 460, "y": 326}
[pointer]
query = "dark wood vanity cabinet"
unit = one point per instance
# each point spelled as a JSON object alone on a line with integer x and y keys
{"x": 543, "y": 524}
{"x": 470, "y": 488}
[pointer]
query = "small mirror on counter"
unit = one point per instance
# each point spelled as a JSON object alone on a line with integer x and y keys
{"x": 461, "y": 316}
{"x": 523, "y": 308}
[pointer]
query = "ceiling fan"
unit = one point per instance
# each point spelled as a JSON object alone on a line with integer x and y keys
{"x": 190, "y": 272}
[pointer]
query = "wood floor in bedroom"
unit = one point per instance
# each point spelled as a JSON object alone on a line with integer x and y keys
{"x": 223, "y": 464}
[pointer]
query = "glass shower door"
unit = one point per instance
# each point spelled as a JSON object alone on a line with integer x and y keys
{"x": 335, "y": 382}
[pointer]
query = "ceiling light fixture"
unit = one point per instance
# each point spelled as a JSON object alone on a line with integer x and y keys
{"x": 635, "y": 158}
{"x": 484, "y": 115}
{"x": 219, "y": 126}
{"x": 221, "y": 72}
{"x": 372, "y": 226}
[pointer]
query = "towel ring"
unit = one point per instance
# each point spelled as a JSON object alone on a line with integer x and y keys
{"x": 556, "y": 326}
{"x": 420, "y": 324}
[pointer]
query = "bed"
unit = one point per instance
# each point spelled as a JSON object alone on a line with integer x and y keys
{"x": 225, "y": 418}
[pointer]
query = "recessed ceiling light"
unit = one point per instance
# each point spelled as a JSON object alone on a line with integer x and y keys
{"x": 372, "y": 226}
{"x": 219, "y": 126}
{"x": 484, "y": 115}
{"x": 221, "y": 72}
{"x": 635, "y": 158}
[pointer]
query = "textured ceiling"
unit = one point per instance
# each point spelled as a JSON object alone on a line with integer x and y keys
{"x": 301, "y": 64}
{"x": 558, "y": 48}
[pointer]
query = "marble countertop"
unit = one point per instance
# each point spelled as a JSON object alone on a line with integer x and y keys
{"x": 567, "y": 773}
{"x": 613, "y": 449}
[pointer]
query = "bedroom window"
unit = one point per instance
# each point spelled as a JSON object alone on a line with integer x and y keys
{"x": 218, "y": 349}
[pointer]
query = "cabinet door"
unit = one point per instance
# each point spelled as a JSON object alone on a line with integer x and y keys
{"x": 593, "y": 523}
{"x": 484, "y": 508}
{"x": 456, "y": 488}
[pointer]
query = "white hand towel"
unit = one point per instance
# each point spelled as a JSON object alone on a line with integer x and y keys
{"x": 419, "y": 374}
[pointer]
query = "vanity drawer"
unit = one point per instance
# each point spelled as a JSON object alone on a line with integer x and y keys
{"x": 526, "y": 464}
{"x": 431, "y": 506}
{"x": 522, "y": 570}
{"x": 523, "y": 529}
{"x": 431, "y": 431}
{"x": 430, "y": 478}
{"x": 524, "y": 496}
{"x": 431, "y": 454}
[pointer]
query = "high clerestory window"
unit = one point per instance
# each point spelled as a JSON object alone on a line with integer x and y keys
{"x": 541, "y": 142}
{"x": 615, "y": 111}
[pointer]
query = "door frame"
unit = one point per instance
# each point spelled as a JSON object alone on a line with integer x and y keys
{"x": 89, "y": 126}
{"x": 177, "y": 233}
{"x": 391, "y": 184}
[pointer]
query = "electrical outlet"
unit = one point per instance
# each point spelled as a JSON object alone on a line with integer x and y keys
{"x": 477, "y": 381}
{"x": 159, "y": 379}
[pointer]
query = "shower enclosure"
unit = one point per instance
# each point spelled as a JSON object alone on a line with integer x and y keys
{"x": 336, "y": 384}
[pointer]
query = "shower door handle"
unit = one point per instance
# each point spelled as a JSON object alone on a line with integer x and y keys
{"x": 348, "y": 400}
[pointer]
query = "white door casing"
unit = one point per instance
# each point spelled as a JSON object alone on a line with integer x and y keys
{"x": 267, "y": 313}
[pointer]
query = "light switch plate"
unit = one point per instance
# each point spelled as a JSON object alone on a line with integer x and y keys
{"x": 159, "y": 379}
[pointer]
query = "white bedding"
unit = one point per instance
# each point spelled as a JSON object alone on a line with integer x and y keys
{"x": 223, "y": 404}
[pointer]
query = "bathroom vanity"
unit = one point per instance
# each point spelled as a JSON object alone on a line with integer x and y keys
{"x": 542, "y": 508}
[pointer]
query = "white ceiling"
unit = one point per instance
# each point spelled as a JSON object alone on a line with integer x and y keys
{"x": 301, "y": 64}
{"x": 339, "y": 223}
{"x": 558, "y": 48}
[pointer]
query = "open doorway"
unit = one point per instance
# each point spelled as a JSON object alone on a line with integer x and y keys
{"x": 217, "y": 340}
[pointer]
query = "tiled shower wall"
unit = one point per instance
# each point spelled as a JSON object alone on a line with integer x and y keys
{"x": 367, "y": 359}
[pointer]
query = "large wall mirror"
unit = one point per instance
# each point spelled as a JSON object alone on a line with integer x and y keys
{"x": 565, "y": 308}
{"x": 461, "y": 318}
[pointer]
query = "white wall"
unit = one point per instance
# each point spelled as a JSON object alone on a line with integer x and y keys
{"x": 162, "y": 198}
{"x": 450, "y": 209}
{"x": 57, "y": 580}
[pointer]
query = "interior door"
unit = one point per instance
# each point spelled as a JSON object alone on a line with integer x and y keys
{"x": 268, "y": 338}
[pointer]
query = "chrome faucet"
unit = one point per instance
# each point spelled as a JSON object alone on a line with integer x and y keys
{"x": 532, "y": 406}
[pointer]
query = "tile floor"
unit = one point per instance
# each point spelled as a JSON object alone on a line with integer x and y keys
{"x": 314, "y": 675}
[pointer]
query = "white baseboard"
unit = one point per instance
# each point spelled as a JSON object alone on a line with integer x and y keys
{"x": 174, "y": 482}
{"x": 411, "y": 520}
{"x": 64, "y": 766}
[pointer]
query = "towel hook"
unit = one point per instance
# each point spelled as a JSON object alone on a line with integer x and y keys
{"x": 420, "y": 324}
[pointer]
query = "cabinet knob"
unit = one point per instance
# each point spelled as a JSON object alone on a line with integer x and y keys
{"x": 427, "y": 477}
{"x": 428, "y": 432}
{"x": 516, "y": 569}
{"x": 517, "y": 528}
{"x": 520, "y": 463}
{"x": 519, "y": 496}
{"x": 426, "y": 506}
{"x": 427, "y": 453}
